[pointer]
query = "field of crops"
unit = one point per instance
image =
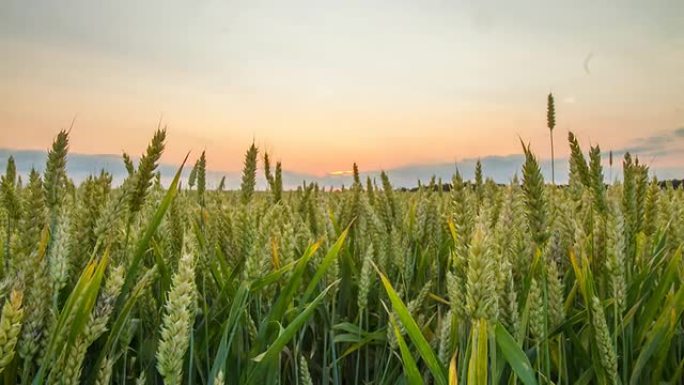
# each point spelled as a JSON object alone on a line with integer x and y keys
{"x": 527, "y": 283}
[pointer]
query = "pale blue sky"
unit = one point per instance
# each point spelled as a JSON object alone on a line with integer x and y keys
{"x": 322, "y": 84}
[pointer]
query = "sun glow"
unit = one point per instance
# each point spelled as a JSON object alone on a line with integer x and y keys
{"x": 341, "y": 172}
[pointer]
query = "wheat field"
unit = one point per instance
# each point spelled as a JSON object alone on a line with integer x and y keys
{"x": 466, "y": 283}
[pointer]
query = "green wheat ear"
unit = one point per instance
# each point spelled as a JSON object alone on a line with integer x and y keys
{"x": 535, "y": 304}
{"x": 192, "y": 178}
{"x": 55, "y": 171}
{"x": 535, "y": 200}
{"x": 603, "y": 340}
{"x": 201, "y": 178}
{"x": 34, "y": 219}
{"x": 365, "y": 278}
{"x": 357, "y": 178}
{"x": 597, "y": 180}
{"x": 550, "y": 112}
{"x": 10, "y": 326}
{"x": 177, "y": 322}
{"x": 249, "y": 174}
{"x": 11, "y": 202}
{"x": 579, "y": 170}
{"x": 128, "y": 163}
{"x": 481, "y": 296}
{"x": 267, "y": 170}
{"x": 278, "y": 183}
{"x": 8, "y": 191}
{"x": 142, "y": 179}
{"x": 478, "y": 184}
{"x": 219, "y": 379}
{"x": 551, "y": 124}
{"x": 304, "y": 374}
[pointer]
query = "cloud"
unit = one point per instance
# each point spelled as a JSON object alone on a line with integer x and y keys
{"x": 657, "y": 145}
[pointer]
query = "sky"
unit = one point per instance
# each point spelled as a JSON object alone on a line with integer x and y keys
{"x": 322, "y": 84}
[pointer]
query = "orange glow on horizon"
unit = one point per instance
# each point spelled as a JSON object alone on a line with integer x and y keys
{"x": 433, "y": 91}
{"x": 338, "y": 173}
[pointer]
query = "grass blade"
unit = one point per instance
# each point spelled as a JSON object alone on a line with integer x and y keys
{"x": 410, "y": 368}
{"x": 414, "y": 333}
{"x": 514, "y": 355}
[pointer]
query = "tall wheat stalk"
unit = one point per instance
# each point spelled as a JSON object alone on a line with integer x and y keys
{"x": 551, "y": 124}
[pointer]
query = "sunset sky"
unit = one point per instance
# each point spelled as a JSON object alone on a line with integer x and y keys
{"x": 320, "y": 84}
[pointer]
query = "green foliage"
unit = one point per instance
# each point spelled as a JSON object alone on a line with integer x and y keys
{"x": 526, "y": 283}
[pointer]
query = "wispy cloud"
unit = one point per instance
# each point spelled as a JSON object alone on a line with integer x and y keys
{"x": 660, "y": 144}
